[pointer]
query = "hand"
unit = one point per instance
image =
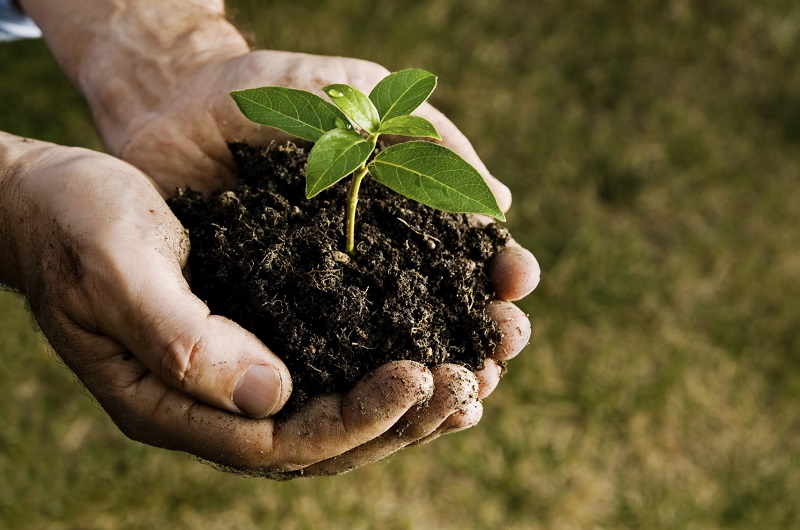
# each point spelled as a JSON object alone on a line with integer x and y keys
{"x": 99, "y": 257}
{"x": 202, "y": 138}
{"x": 171, "y": 116}
{"x": 182, "y": 139}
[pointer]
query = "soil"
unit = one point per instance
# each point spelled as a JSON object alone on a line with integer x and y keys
{"x": 271, "y": 260}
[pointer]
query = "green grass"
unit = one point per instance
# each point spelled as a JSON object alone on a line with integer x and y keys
{"x": 652, "y": 148}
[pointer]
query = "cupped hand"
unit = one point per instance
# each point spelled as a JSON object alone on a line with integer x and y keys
{"x": 183, "y": 141}
{"x": 99, "y": 256}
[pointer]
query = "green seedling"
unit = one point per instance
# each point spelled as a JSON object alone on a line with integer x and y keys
{"x": 346, "y": 133}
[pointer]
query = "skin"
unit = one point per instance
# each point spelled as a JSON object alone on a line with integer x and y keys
{"x": 100, "y": 257}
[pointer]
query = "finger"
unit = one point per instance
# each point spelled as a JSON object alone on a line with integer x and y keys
{"x": 211, "y": 358}
{"x": 514, "y": 325}
{"x": 462, "y": 419}
{"x": 458, "y": 421}
{"x": 455, "y": 389}
{"x": 332, "y": 425}
{"x": 488, "y": 378}
{"x": 513, "y": 273}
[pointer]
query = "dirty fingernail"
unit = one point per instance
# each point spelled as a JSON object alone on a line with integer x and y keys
{"x": 258, "y": 391}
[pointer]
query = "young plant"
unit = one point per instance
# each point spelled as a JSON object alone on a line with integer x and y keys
{"x": 346, "y": 132}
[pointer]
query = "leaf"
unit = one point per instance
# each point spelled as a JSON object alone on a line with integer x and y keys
{"x": 435, "y": 176}
{"x": 297, "y": 112}
{"x": 413, "y": 126}
{"x": 400, "y": 93}
{"x": 356, "y": 105}
{"x": 338, "y": 153}
{"x": 343, "y": 124}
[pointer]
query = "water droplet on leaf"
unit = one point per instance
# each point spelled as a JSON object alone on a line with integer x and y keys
{"x": 335, "y": 93}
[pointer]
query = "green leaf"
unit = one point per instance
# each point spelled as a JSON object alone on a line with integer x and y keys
{"x": 343, "y": 124}
{"x": 400, "y": 93}
{"x": 435, "y": 176}
{"x": 413, "y": 126}
{"x": 356, "y": 105}
{"x": 297, "y": 112}
{"x": 338, "y": 153}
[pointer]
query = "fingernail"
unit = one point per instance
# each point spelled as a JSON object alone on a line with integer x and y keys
{"x": 258, "y": 391}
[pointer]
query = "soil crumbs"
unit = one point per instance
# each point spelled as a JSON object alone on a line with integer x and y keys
{"x": 271, "y": 260}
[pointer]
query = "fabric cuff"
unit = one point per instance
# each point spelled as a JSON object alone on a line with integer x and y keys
{"x": 14, "y": 24}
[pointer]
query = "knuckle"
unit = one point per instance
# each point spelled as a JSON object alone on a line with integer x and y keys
{"x": 182, "y": 359}
{"x": 460, "y": 382}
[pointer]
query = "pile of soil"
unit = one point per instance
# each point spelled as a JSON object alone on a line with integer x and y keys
{"x": 268, "y": 258}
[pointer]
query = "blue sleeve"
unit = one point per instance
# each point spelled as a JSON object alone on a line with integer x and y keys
{"x": 15, "y": 25}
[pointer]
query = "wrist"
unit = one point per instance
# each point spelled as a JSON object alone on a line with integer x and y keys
{"x": 128, "y": 57}
{"x": 13, "y": 153}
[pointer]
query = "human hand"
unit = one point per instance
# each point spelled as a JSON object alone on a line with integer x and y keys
{"x": 203, "y": 137}
{"x": 172, "y": 117}
{"x": 515, "y": 271}
{"x": 182, "y": 140}
{"x": 99, "y": 257}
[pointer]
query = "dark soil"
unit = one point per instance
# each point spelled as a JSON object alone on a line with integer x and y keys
{"x": 271, "y": 260}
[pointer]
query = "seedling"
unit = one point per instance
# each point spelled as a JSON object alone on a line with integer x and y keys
{"x": 346, "y": 133}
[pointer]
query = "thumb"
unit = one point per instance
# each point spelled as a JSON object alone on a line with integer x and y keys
{"x": 173, "y": 334}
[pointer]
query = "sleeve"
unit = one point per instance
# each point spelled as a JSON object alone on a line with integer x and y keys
{"x": 14, "y": 24}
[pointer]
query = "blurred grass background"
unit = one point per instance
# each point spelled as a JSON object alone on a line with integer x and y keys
{"x": 652, "y": 147}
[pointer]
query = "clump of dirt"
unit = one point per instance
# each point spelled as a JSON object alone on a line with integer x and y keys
{"x": 268, "y": 258}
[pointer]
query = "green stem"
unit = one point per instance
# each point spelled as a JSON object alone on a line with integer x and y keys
{"x": 352, "y": 202}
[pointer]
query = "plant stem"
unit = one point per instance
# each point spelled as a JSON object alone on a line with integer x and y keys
{"x": 352, "y": 201}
